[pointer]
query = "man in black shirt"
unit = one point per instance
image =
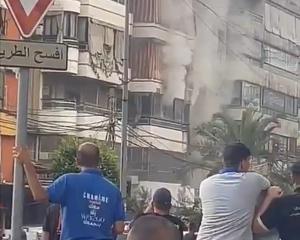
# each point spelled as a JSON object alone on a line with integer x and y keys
{"x": 161, "y": 206}
{"x": 51, "y": 227}
{"x": 152, "y": 227}
{"x": 283, "y": 213}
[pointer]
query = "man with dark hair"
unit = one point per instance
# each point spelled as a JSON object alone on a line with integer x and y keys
{"x": 52, "y": 223}
{"x": 282, "y": 214}
{"x": 91, "y": 206}
{"x": 153, "y": 227}
{"x": 160, "y": 206}
{"x": 229, "y": 198}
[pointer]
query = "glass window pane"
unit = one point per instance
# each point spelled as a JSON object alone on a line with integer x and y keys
{"x": 251, "y": 95}
{"x": 236, "y": 93}
{"x": 54, "y": 25}
{"x": 47, "y": 26}
{"x": 82, "y": 29}
{"x": 273, "y": 100}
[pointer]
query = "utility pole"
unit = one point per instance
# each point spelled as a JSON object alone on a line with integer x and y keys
{"x": 126, "y": 74}
{"x": 21, "y": 141}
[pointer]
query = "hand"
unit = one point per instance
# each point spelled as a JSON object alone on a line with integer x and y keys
{"x": 274, "y": 192}
{"x": 22, "y": 155}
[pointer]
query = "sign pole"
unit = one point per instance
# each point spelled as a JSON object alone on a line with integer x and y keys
{"x": 21, "y": 140}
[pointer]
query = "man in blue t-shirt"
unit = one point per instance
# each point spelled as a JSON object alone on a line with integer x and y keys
{"x": 92, "y": 207}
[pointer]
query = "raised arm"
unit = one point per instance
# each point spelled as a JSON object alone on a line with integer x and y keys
{"x": 258, "y": 225}
{"x": 23, "y": 157}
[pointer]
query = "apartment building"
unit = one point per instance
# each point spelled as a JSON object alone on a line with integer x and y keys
{"x": 159, "y": 119}
{"x": 83, "y": 100}
{"x": 260, "y": 41}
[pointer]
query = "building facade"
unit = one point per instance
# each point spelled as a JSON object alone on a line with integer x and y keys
{"x": 258, "y": 42}
{"x": 83, "y": 100}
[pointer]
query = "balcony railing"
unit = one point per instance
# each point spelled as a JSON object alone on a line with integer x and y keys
{"x": 83, "y": 107}
{"x": 159, "y": 122}
{"x": 60, "y": 104}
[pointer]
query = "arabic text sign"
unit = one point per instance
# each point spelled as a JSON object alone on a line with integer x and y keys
{"x": 33, "y": 55}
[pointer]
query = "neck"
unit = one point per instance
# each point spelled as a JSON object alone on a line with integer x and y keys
{"x": 161, "y": 212}
{"x": 87, "y": 168}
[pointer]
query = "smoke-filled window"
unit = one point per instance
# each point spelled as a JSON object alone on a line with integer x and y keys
{"x": 280, "y": 102}
{"x": 273, "y": 100}
{"x": 251, "y": 95}
{"x": 281, "y": 23}
{"x": 237, "y": 94}
{"x": 281, "y": 59}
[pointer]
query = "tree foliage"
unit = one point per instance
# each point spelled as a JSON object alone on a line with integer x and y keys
{"x": 254, "y": 130}
{"x": 139, "y": 201}
{"x": 65, "y": 158}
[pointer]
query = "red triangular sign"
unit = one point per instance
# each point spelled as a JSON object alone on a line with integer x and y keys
{"x": 28, "y": 14}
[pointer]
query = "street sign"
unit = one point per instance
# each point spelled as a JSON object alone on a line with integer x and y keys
{"x": 40, "y": 55}
{"x": 28, "y": 14}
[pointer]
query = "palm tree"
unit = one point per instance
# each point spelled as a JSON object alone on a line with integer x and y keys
{"x": 254, "y": 130}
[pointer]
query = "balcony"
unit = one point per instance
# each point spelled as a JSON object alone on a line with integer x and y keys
{"x": 65, "y": 117}
{"x": 107, "y": 11}
{"x": 66, "y": 5}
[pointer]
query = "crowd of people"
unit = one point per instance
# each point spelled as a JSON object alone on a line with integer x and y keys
{"x": 236, "y": 204}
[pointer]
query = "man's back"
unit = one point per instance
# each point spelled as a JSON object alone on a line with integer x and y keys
{"x": 90, "y": 205}
{"x": 284, "y": 215}
{"x": 228, "y": 203}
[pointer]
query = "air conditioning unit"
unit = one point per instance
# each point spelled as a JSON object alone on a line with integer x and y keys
{"x": 45, "y": 155}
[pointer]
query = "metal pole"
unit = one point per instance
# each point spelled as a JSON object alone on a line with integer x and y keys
{"x": 124, "y": 151}
{"x": 21, "y": 140}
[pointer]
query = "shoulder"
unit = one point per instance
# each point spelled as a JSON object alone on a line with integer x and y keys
{"x": 175, "y": 220}
{"x": 255, "y": 176}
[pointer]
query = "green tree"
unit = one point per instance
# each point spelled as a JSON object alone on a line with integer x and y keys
{"x": 139, "y": 201}
{"x": 254, "y": 130}
{"x": 65, "y": 158}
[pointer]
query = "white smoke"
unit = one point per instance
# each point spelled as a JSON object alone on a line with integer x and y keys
{"x": 177, "y": 56}
{"x": 178, "y": 50}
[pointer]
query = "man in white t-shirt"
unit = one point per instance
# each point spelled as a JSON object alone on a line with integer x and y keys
{"x": 229, "y": 198}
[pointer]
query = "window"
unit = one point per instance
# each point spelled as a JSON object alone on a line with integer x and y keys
{"x": 281, "y": 59}
{"x": 146, "y": 105}
{"x": 178, "y": 110}
{"x": 51, "y": 24}
{"x": 167, "y": 112}
{"x": 281, "y": 23}
{"x": 236, "y": 93}
{"x": 49, "y": 143}
{"x": 273, "y": 100}
{"x": 70, "y": 25}
{"x": 251, "y": 95}
{"x": 156, "y": 111}
{"x": 139, "y": 158}
{"x": 280, "y": 102}
{"x": 83, "y": 29}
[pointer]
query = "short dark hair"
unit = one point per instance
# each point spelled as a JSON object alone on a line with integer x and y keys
{"x": 162, "y": 199}
{"x": 234, "y": 154}
{"x": 88, "y": 155}
{"x": 296, "y": 168}
{"x": 152, "y": 227}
